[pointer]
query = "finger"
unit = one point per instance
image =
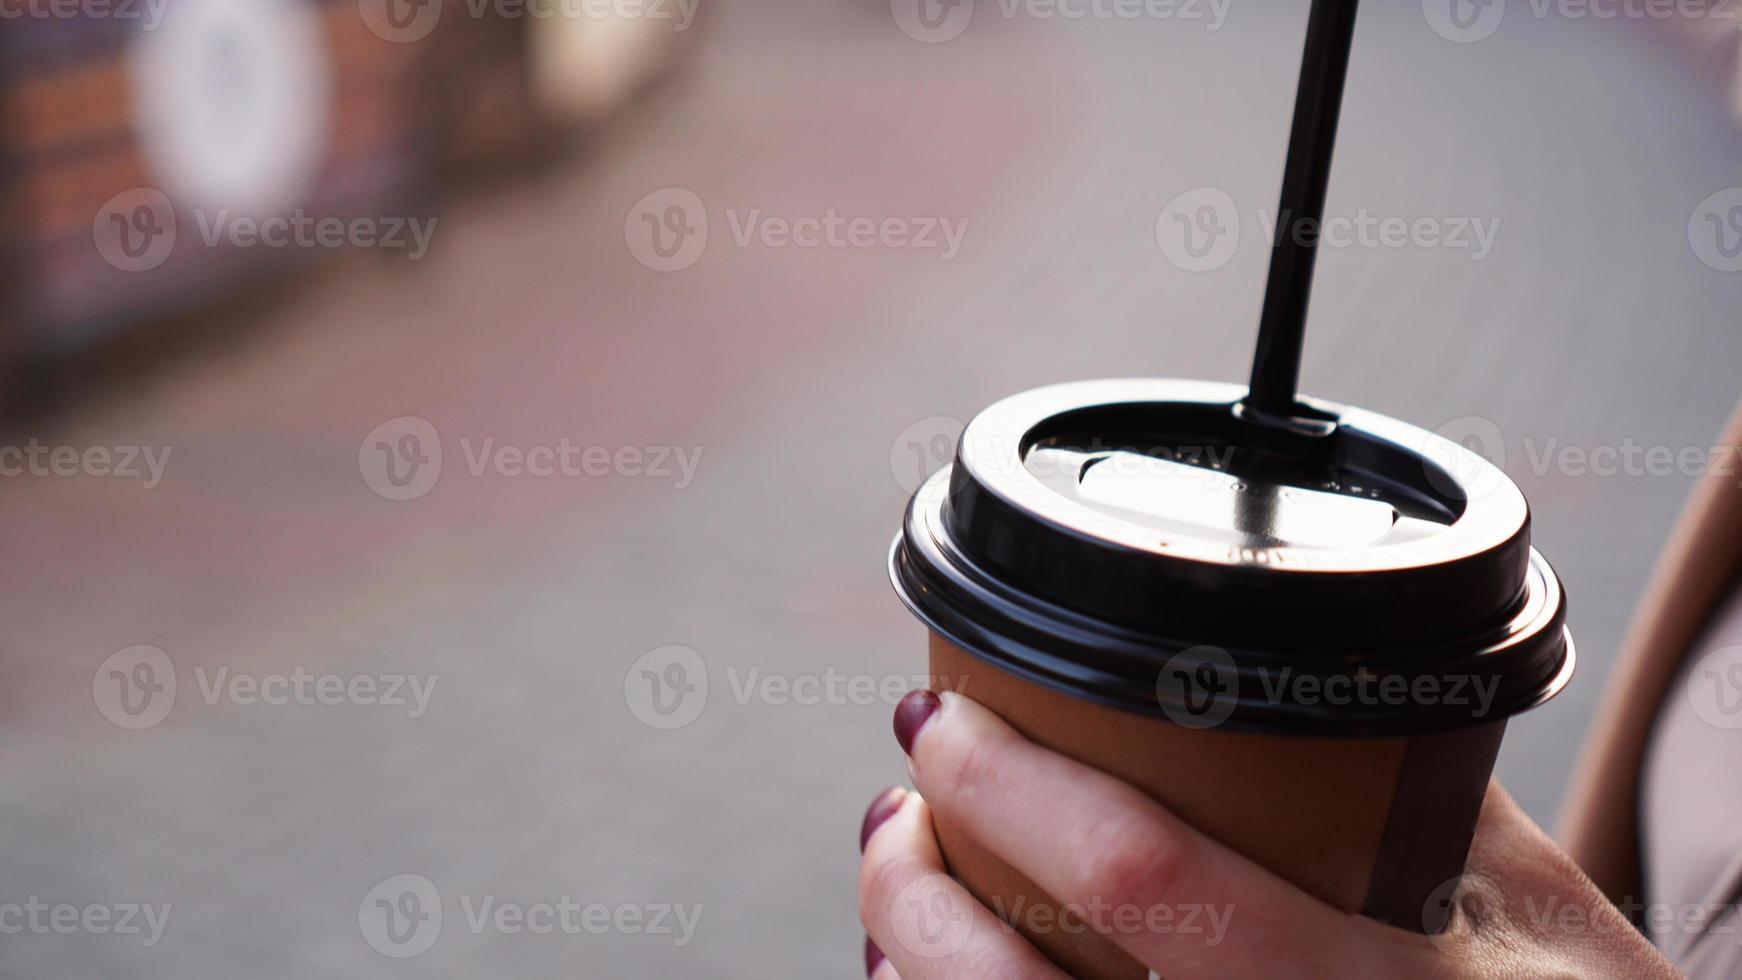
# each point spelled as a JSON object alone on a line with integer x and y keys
{"x": 1171, "y": 897}
{"x": 877, "y": 966}
{"x": 924, "y": 920}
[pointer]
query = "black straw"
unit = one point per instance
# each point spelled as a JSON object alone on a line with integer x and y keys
{"x": 1276, "y": 362}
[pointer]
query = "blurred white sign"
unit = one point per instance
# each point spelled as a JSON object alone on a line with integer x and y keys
{"x": 231, "y": 102}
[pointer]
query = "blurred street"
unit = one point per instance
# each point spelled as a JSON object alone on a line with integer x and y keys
{"x": 806, "y": 386}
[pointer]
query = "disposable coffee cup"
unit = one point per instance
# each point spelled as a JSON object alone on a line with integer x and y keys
{"x": 1302, "y": 636}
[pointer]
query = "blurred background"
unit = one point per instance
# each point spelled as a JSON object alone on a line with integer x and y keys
{"x": 451, "y": 449}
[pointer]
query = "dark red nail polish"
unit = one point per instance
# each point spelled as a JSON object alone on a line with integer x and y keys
{"x": 911, "y": 715}
{"x": 882, "y": 808}
{"x": 873, "y": 957}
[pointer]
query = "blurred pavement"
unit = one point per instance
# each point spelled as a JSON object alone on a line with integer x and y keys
{"x": 802, "y": 376}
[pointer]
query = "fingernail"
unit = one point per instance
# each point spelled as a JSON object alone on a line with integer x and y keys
{"x": 882, "y": 808}
{"x": 911, "y": 715}
{"x": 873, "y": 957}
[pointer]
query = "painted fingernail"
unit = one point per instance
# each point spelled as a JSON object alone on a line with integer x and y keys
{"x": 873, "y": 957}
{"x": 911, "y": 715}
{"x": 882, "y": 808}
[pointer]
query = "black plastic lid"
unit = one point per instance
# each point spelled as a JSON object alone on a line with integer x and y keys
{"x": 1145, "y": 544}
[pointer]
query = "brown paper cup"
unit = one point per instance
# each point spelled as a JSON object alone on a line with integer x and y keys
{"x": 1369, "y": 825}
{"x": 1145, "y": 577}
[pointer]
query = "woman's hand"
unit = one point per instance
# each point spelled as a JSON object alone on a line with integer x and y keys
{"x": 1092, "y": 842}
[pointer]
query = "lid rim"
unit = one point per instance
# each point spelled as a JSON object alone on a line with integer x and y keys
{"x": 1019, "y": 647}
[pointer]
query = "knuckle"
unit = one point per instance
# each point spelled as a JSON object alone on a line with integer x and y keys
{"x": 969, "y": 770}
{"x": 1130, "y": 863}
